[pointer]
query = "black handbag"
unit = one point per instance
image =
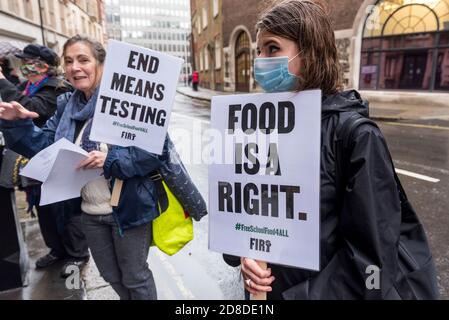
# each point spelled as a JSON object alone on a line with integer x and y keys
{"x": 9, "y": 171}
{"x": 416, "y": 278}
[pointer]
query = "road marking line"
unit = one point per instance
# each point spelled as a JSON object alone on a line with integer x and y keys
{"x": 176, "y": 277}
{"x": 440, "y": 117}
{"x": 416, "y": 125}
{"x": 422, "y": 167}
{"x": 417, "y": 176}
{"x": 400, "y": 171}
{"x": 189, "y": 117}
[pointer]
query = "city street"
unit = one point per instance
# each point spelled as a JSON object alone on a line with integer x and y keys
{"x": 106, "y": 73}
{"x": 420, "y": 152}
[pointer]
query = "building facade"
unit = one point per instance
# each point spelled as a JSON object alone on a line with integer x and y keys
{"x": 162, "y": 25}
{"x": 224, "y": 43}
{"x": 386, "y": 47}
{"x": 50, "y": 22}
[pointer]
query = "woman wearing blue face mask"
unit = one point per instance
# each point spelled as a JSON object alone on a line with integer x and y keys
{"x": 361, "y": 213}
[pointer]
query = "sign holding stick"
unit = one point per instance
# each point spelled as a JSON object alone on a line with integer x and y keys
{"x": 136, "y": 96}
{"x": 264, "y": 191}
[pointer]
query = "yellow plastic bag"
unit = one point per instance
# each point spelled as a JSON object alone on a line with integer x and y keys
{"x": 173, "y": 229}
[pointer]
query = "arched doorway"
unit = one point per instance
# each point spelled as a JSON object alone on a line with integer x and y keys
{"x": 242, "y": 63}
{"x": 405, "y": 46}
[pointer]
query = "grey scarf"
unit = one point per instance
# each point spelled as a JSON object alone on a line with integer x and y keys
{"x": 78, "y": 109}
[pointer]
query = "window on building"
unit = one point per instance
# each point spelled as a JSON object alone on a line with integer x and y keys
{"x": 204, "y": 18}
{"x": 215, "y": 7}
{"x": 62, "y": 18}
{"x": 404, "y": 46}
{"x": 13, "y": 6}
{"x": 201, "y": 59}
{"x": 206, "y": 59}
{"x": 217, "y": 53}
{"x": 28, "y": 9}
{"x": 83, "y": 25}
{"x": 51, "y": 13}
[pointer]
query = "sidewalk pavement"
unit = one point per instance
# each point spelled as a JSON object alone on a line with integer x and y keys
{"x": 382, "y": 106}
{"x": 47, "y": 284}
{"x": 43, "y": 284}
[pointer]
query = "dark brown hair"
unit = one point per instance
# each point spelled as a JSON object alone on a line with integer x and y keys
{"x": 308, "y": 24}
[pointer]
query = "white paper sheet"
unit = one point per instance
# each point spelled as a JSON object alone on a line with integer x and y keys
{"x": 56, "y": 167}
{"x": 65, "y": 181}
{"x": 39, "y": 167}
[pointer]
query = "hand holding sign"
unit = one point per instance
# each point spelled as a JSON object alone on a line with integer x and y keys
{"x": 258, "y": 279}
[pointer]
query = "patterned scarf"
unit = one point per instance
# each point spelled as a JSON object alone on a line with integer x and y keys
{"x": 78, "y": 109}
{"x": 32, "y": 88}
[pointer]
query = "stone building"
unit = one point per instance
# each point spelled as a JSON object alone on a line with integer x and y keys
{"x": 395, "y": 48}
{"x": 50, "y": 22}
{"x": 224, "y": 42}
{"x": 162, "y": 25}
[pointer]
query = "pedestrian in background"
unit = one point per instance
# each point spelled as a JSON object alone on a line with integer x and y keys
{"x": 61, "y": 232}
{"x": 360, "y": 215}
{"x": 195, "y": 80}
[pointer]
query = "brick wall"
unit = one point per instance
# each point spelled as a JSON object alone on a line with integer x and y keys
{"x": 343, "y": 12}
{"x": 211, "y": 78}
{"x": 239, "y": 12}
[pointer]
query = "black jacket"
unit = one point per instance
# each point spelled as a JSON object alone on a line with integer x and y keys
{"x": 365, "y": 231}
{"x": 43, "y": 102}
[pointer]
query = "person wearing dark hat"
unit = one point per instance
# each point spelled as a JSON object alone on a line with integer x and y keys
{"x": 39, "y": 94}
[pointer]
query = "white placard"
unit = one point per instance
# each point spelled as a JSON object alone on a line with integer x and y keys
{"x": 267, "y": 209}
{"x": 136, "y": 95}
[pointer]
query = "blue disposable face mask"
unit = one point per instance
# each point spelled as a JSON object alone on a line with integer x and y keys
{"x": 272, "y": 74}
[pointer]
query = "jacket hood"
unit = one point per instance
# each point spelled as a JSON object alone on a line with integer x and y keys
{"x": 345, "y": 101}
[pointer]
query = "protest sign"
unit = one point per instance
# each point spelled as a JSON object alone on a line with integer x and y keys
{"x": 264, "y": 198}
{"x": 136, "y": 96}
